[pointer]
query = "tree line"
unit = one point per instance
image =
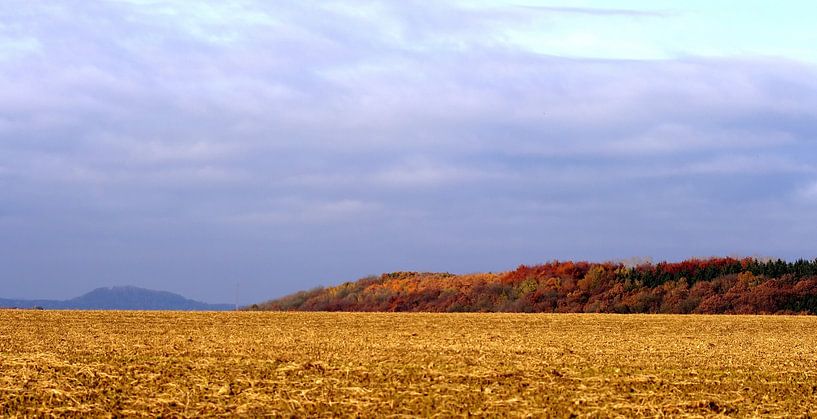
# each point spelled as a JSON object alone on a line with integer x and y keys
{"x": 706, "y": 286}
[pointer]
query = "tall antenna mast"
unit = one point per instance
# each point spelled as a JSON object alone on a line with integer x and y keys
{"x": 236, "y": 295}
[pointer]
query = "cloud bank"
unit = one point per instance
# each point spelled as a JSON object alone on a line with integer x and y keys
{"x": 281, "y": 145}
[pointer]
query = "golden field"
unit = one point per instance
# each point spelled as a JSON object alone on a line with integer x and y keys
{"x": 386, "y": 364}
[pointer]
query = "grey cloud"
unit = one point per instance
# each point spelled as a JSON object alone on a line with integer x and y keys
{"x": 286, "y": 144}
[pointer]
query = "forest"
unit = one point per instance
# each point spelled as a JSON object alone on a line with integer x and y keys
{"x": 704, "y": 286}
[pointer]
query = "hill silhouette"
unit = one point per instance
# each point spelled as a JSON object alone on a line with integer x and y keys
{"x": 717, "y": 285}
{"x": 120, "y": 298}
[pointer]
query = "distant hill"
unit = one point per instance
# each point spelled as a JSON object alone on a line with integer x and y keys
{"x": 711, "y": 286}
{"x": 120, "y": 298}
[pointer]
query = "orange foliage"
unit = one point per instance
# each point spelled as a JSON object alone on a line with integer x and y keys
{"x": 718, "y": 285}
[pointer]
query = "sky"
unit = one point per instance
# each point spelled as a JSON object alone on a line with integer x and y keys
{"x": 196, "y": 147}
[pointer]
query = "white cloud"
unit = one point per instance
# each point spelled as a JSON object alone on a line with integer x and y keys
{"x": 808, "y": 193}
{"x": 674, "y": 138}
{"x": 426, "y": 174}
{"x": 385, "y": 127}
{"x": 288, "y": 211}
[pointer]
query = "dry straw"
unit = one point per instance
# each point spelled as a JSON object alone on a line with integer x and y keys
{"x": 328, "y": 364}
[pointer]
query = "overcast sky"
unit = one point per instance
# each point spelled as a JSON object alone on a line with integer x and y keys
{"x": 190, "y": 146}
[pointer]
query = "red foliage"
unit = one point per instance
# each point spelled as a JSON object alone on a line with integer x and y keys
{"x": 718, "y": 285}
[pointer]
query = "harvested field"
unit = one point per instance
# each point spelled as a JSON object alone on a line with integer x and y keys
{"x": 327, "y": 364}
